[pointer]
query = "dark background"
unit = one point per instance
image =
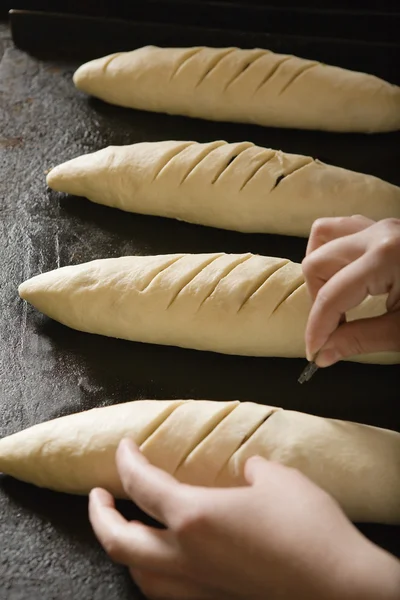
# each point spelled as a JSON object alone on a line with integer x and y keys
{"x": 47, "y": 370}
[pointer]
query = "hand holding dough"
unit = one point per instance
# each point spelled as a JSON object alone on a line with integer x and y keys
{"x": 231, "y": 303}
{"x": 248, "y": 86}
{"x": 238, "y": 186}
{"x": 207, "y": 443}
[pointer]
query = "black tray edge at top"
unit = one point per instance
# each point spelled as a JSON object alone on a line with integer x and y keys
{"x": 82, "y": 38}
{"x": 338, "y": 22}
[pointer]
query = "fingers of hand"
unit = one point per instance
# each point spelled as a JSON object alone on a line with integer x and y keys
{"x": 327, "y": 260}
{"x": 378, "y": 334}
{"x": 153, "y": 490}
{"x": 345, "y": 290}
{"x": 106, "y": 521}
{"x": 327, "y": 229}
{"x": 372, "y": 257}
{"x": 163, "y": 587}
{"x": 129, "y": 543}
{"x": 255, "y": 469}
{"x": 273, "y": 475}
{"x": 259, "y": 470}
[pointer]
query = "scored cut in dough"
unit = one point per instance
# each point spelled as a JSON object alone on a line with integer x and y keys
{"x": 358, "y": 464}
{"x": 231, "y": 303}
{"x": 236, "y": 186}
{"x": 249, "y": 86}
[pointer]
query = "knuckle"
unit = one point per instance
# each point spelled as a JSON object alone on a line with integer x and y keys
{"x": 344, "y": 221}
{"x": 393, "y": 223}
{"x": 388, "y": 246}
{"x": 129, "y": 486}
{"x": 305, "y": 263}
{"x": 323, "y": 300}
{"x": 128, "y": 479}
{"x": 191, "y": 521}
{"x": 309, "y": 265}
{"x": 389, "y": 235}
{"x": 322, "y": 226}
{"x": 325, "y": 226}
{"x": 360, "y": 218}
{"x": 113, "y": 547}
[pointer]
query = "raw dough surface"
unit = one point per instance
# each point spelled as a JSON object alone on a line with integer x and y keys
{"x": 231, "y": 303}
{"x": 207, "y": 443}
{"x": 236, "y": 186}
{"x": 248, "y": 86}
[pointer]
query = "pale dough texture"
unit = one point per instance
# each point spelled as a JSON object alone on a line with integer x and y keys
{"x": 248, "y": 86}
{"x": 237, "y": 186}
{"x": 207, "y": 443}
{"x": 231, "y": 303}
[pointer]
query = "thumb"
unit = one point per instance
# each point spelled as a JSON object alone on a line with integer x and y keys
{"x": 258, "y": 469}
{"x": 364, "y": 336}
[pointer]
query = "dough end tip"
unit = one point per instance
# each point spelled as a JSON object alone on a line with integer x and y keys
{"x": 27, "y": 290}
{"x": 22, "y": 290}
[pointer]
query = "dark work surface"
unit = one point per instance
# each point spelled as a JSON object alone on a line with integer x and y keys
{"x": 47, "y": 370}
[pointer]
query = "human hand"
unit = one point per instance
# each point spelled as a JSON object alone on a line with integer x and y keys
{"x": 346, "y": 260}
{"x": 280, "y": 537}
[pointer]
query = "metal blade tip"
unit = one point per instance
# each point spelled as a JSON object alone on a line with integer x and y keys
{"x": 308, "y": 372}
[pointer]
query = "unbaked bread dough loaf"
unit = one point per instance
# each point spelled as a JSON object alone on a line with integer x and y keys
{"x": 232, "y": 186}
{"x": 207, "y": 443}
{"x": 248, "y": 86}
{"x": 231, "y": 303}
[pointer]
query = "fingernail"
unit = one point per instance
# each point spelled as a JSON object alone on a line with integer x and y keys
{"x": 93, "y": 493}
{"x": 99, "y": 495}
{"x": 327, "y": 357}
{"x": 310, "y": 356}
{"x": 311, "y": 353}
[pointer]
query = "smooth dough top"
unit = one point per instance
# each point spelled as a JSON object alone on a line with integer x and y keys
{"x": 236, "y": 186}
{"x": 249, "y": 86}
{"x": 207, "y": 443}
{"x": 242, "y": 304}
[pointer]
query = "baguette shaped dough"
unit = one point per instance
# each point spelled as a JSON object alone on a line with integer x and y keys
{"x": 358, "y": 464}
{"x": 236, "y": 186}
{"x": 249, "y": 86}
{"x": 231, "y": 303}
